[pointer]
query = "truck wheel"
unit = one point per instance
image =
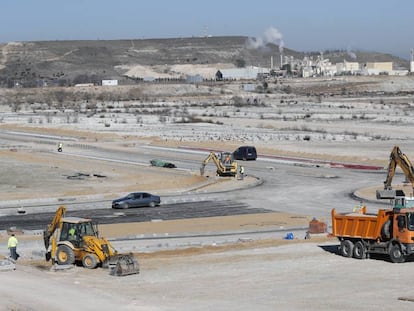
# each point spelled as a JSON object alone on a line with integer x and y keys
{"x": 347, "y": 248}
{"x": 90, "y": 261}
{"x": 396, "y": 254}
{"x": 360, "y": 251}
{"x": 65, "y": 255}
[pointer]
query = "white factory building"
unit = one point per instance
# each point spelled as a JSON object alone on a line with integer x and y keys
{"x": 351, "y": 67}
{"x": 246, "y": 73}
{"x": 325, "y": 68}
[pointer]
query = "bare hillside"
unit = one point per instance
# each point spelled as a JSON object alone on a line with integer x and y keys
{"x": 66, "y": 63}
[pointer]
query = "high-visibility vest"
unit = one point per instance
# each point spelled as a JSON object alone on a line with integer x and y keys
{"x": 12, "y": 242}
{"x": 242, "y": 169}
{"x": 72, "y": 231}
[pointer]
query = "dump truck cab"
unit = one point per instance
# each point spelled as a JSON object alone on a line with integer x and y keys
{"x": 403, "y": 226}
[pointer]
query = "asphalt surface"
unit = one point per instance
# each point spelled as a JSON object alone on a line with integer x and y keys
{"x": 38, "y": 221}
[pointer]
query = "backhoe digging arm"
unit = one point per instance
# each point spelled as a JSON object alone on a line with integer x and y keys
{"x": 48, "y": 232}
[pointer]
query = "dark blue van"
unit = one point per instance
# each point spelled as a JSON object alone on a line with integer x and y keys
{"x": 245, "y": 153}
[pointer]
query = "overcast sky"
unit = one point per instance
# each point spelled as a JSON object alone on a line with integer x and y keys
{"x": 314, "y": 25}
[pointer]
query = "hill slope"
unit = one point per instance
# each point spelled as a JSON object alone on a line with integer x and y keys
{"x": 71, "y": 62}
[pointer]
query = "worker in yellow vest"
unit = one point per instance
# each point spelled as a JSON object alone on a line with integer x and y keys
{"x": 12, "y": 246}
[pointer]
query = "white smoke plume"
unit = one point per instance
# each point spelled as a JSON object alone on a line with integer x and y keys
{"x": 271, "y": 35}
{"x": 351, "y": 53}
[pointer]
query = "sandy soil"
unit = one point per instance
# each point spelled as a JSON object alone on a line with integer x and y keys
{"x": 20, "y": 168}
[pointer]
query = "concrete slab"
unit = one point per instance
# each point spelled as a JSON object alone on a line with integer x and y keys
{"x": 7, "y": 265}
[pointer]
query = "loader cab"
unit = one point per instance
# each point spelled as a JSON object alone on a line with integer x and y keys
{"x": 403, "y": 227}
{"x": 226, "y": 158}
{"x": 74, "y": 229}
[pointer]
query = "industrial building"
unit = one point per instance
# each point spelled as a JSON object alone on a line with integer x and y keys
{"x": 384, "y": 66}
{"x": 247, "y": 73}
{"x": 310, "y": 67}
{"x": 109, "y": 82}
{"x": 347, "y": 67}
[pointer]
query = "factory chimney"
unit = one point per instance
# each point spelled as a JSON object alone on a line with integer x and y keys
{"x": 281, "y": 59}
{"x": 412, "y": 60}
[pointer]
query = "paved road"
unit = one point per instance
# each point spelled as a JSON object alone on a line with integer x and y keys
{"x": 288, "y": 186}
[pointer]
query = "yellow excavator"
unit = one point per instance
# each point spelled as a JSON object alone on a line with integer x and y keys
{"x": 226, "y": 166}
{"x": 397, "y": 157}
{"x": 69, "y": 240}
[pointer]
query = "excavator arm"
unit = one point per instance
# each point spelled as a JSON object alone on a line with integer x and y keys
{"x": 205, "y": 162}
{"x": 397, "y": 158}
{"x": 400, "y": 159}
{"x": 51, "y": 228}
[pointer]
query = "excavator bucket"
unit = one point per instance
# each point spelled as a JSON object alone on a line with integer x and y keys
{"x": 389, "y": 194}
{"x": 385, "y": 194}
{"x": 122, "y": 264}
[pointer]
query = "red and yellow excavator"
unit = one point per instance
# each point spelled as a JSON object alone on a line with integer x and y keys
{"x": 72, "y": 239}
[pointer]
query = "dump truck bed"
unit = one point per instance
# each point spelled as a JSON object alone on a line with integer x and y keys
{"x": 359, "y": 225}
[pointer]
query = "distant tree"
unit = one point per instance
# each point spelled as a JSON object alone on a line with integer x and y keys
{"x": 219, "y": 76}
{"x": 240, "y": 63}
{"x": 237, "y": 101}
{"x": 10, "y": 83}
{"x": 63, "y": 82}
{"x": 287, "y": 89}
{"x": 60, "y": 96}
{"x": 80, "y": 79}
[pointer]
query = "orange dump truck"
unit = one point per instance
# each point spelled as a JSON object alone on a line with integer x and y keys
{"x": 389, "y": 232}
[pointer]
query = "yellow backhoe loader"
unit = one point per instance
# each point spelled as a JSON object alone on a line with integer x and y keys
{"x": 226, "y": 166}
{"x": 71, "y": 239}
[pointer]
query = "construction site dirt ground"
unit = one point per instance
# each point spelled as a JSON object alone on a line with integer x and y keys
{"x": 265, "y": 275}
{"x": 271, "y": 274}
{"x": 159, "y": 286}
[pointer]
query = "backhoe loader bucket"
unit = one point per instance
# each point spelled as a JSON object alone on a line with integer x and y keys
{"x": 122, "y": 264}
